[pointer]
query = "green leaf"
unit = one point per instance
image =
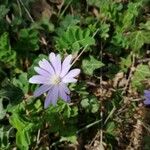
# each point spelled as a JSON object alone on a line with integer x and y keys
{"x": 120, "y": 40}
{"x": 23, "y": 131}
{"x": 125, "y": 63}
{"x": 22, "y": 82}
{"x": 62, "y": 119}
{"x": 85, "y": 103}
{"x": 129, "y": 16}
{"x": 7, "y": 56}
{"x": 3, "y": 11}
{"x": 4, "y": 138}
{"x": 95, "y": 107}
{"x": 73, "y": 39}
{"x": 109, "y": 10}
{"x": 141, "y": 73}
{"x": 28, "y": 40}
{"x": 111, "y": 128}
{"x": 43, "y": 24}
{"x": 89, "y": 65}
{"x": 12, "y": 93}
{"x": 2, "y": 110}
{"x": 90, "y": 104}
{"x": 68, "y": 20}
{"x": 93, "y": 2}
{"x": 138, "y": 39}
{"x": 71, "y": 138}
{"x": 104, "y": 29}
{"x": 145, "y": 26}
{"x": 17, "y": 122}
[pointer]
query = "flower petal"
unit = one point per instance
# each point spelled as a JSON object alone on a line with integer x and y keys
{"x": 44, "y": 64}
{"x": 42, "y": 89}
{"x": 66, "y": 65}
{"x": 147, "y": 93}
{"x": 58, "y": 69}
{"x": 62, "y": 94}
{"x": 56, "y": 62}
{"x": 51, "y": 97}
{"x": 38, "y": 79}
{"x": 64, "y": 86}
{"x": 73, "y": 73}
{"x": 70, "y": 76}
{"x": 68, "y": 98}
{"x": 147, "y": 102}
{"x": 69, "y": 80}
{"x": 41, "y": 71}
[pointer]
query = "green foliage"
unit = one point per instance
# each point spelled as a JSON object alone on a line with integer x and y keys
{"x": 130, "y": 14}
{"x": 138, "y": 39}
{"x": 7, "y": 55}
{"x": 28, "y": 40}
{"x": 125, "y": 63}
{"x": 68, "y": 20}
{"x": 73, "y": 39}
{"x": 146, "y": 25}
{"x": 110, "y": 9}
{"x": 110, "y": 129}
{"x": 94, "y": 2}
{"x": 22, "y": 82}
{"x": 146, "y": 141}
{"x": 62, "y": 119}
{"x": 2, "y": 110}
{"x": 43, "y": 24}
{"x": 142, "y": 72}
{"x": 23, "y": 129}
{"x": 104, "y": 28}
{"x": 11, "y": 93}
{"x": 90, "y": 64}
{"x": 91, "y": 105}
{"x": 4, "y": 138}
{"x": 3, "y": 11}
{"x": 24, "y": 123}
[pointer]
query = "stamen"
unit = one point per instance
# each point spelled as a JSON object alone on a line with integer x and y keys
{"x": 55, "y": 79}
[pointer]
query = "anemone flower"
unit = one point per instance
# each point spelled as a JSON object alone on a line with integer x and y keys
{"x": 147, "y": 97}
{"x": 53, "y": 77}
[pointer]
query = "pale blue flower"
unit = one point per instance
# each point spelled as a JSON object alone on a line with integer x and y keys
{"x": 147, "y": 97}
{"x": 54, "y": 77}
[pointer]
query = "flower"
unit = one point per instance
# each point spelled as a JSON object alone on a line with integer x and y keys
{"x": 54, "y": 77}
{"x": 147, "y": 97}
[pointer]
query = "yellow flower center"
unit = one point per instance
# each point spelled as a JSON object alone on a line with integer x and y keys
{"x": 55, "y": 80}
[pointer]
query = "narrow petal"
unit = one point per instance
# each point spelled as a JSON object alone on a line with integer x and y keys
{"x": 147, "y": 93}
{"x": 64, "y": 86}
{"x": 73, "y": 73}
{"x": 44, "y": 64}
{"x": 38, "y": 79}
{"x": 147, "y": 102}
{"x": 56, "y": 62}
{"x": 42, "y": 89}
{"x": 68, "y": 98}
{"x": 66, "y": 65}
{"x": 69, "y": 80}
{"x": 58, "y": 69}
{"x": 41, "y": 71}
{"x": 62, "y": 94}
{"x": 51, "y": 97}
